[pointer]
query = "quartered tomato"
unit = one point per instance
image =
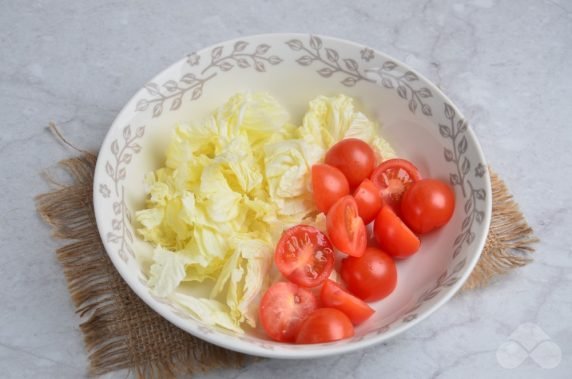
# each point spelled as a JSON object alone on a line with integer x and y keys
{"x": 393, "y": 177}
{"x": 369, "y": 201}
{"x": 328, "y": 185}
{"x": 283, "y": 308}
{"x": 334, "y": 296}
{"x": 370, "y": 277}
{"x": 427, "y": 205}
{"x": 393, "y": 236}
{"x": 325, "y": 325}
{"x": 345, "y": 228}
{"x": 304, "y": 255}
{"x": 354, "y": 157}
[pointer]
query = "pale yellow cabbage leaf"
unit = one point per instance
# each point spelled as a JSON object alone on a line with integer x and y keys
{"x": 331, "y": 119}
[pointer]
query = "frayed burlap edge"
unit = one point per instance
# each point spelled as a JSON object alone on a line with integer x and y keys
{"x": 120, "y": 331}
{"x": 510, "y": 239}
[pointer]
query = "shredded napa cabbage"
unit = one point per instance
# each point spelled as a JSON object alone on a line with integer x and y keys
{"x": 229, "y": 187}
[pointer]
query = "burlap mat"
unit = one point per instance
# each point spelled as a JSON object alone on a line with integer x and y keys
{"x": 121, "y": 331}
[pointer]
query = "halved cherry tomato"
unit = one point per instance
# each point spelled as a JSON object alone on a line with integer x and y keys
{"x": 283, "y": 308}
{"x": 427, "y": 205}
{"x": 345, "y": 228}
{"x": 325, "y": 325}
{"x": 329, "y": 184}
{"x": 354, "y": 157}
{"x": 334, "y": 296}
{"x": 393, "y": 236}
{"x": 369, "y": 201}
{"x": 304, "y": 255}
{"x": 393, "y": 177}
{"x": 370, "y": 277}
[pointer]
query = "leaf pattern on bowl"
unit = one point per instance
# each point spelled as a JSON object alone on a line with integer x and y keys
{"x": 330, "y": 59}
{"x": 122, "y": 150}
{"x": 121, "y": 226}
{"x": 172, "y": 92}
{"x": 239, "y": 57}
{"x": 123, "y": 153}
{"x": 446, "y": 279}
{"x": 474, "y": 198}
{"x": 362, "y": 67}
{"x": 404, "y": 84}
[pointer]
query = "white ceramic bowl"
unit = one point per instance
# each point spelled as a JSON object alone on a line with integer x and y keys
{"x": 419, "y": 121}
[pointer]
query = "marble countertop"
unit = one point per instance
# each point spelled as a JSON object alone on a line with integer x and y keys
{"x": 505, "y": 63}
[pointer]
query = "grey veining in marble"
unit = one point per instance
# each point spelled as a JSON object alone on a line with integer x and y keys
{"x": 507, "y": 64}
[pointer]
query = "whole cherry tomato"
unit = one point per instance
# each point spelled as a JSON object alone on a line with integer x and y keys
{"x": 370, "y": 277}
{"x": 427, "y": 205}
{"x": 329, "y": 184}
{"x": 354, "y": 157}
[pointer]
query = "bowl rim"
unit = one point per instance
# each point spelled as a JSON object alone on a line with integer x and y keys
{"x": 327, "y": 349}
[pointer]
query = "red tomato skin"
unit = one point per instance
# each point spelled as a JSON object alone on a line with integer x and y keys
{"x": 282, "y": 323}
{"x": 328, "y": 184}
{"x": 307, "y": 258}
{"x": 369, "y": 201}
{"x": 343, "y": 222}
{"x": 427, "y": 205}
{"x": 393, "y": 236}
{"x": 354, "y": 157}
{"x": 325, "y": 325}
{"x": 334, "y": 296}
{"x": 370, "y": 277}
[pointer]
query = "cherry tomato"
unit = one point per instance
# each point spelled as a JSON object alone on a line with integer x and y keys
{"x": 369, "y": 201}
{"x": 354, "y": 158}
{"x": 283, "y": 308}
{"x": 393, "y": 236}
{"x": 393, "y": 177}
{"x": 334, "y": 296}
{"x": 427, "y": 205}
{"x": 370, "y": 277}
{"x": 345, "y": 228}
{"x": 304, "y": 255}
{"x": 325, "y": 325}
{"x": 329, "y": 184}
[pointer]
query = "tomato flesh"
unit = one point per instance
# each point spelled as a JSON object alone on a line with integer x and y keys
{"x": 393, "y": 177}
{"x": 325, "y": 325}
{"x": 328, "y": 184}
{"x": 354, "y": 157}
{"x": 369, "y": 201}
{"x": 427, "y": 205}
{"x": 393, "y": 236}
{"x": 334, "y": 296}
{"x": 283, "y": 308}
{"x": 370, "y": 277}
{"x": 346, "y": 229}
{"x": 304, "y": 255}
